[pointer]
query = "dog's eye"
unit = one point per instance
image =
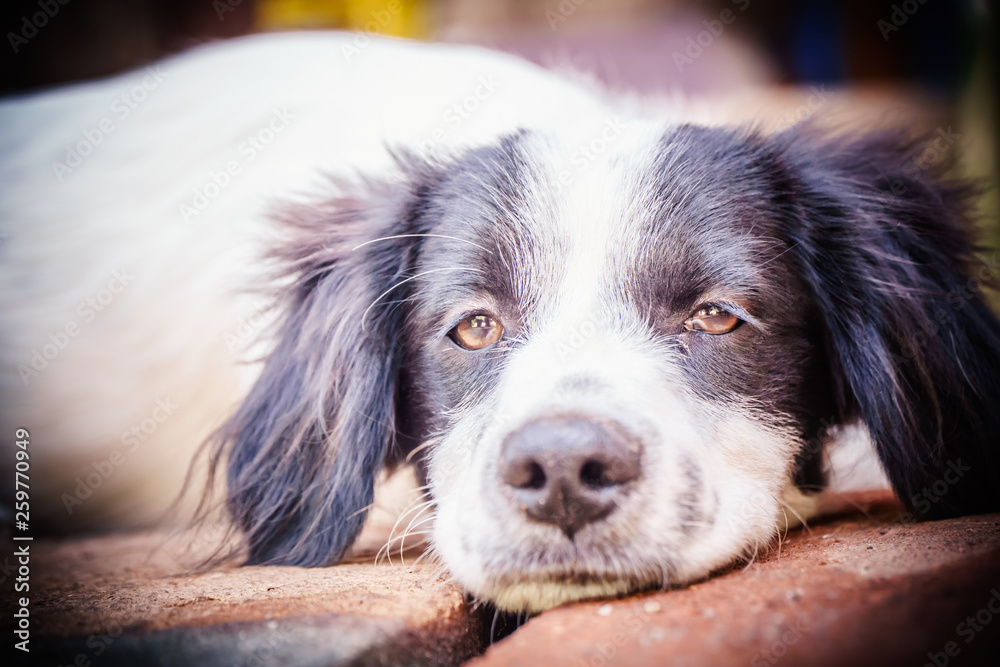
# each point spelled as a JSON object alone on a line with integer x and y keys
{"x": 712, "y": 320}
{"x": 476, "y": 332}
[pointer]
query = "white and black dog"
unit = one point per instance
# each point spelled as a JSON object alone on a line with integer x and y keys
{"x": 615, "y": 343}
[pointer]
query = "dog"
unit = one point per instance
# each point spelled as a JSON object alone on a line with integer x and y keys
{"x": 615, "y": 345}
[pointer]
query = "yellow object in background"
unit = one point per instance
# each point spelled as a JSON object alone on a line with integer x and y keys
{"x": 400, "y": 18}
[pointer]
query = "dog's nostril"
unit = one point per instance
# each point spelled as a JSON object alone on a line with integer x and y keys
{"x": 594, "y": 474}
{"x": 536, "y": 477}
{"x": 523, "y": 472}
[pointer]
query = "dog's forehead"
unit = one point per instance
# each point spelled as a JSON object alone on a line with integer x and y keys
{"x": 617, "y": 211}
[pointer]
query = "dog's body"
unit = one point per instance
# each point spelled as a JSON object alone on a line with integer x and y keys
{"x": 615, "y": 344}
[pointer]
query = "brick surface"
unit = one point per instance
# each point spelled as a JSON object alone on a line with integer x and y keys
{"x": 857, "y": 590}
{"x": 133, "y": 600}
{"x": 861, "y": 587}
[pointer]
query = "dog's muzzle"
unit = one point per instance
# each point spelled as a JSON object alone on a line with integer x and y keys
{"x": 569, "y": 470}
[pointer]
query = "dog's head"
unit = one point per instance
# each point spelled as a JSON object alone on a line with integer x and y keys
{"x": 615, "y": 352}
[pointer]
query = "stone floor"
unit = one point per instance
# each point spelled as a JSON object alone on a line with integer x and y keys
{"x": 859, "y": 587}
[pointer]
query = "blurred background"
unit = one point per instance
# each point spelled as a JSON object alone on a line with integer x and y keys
{"x": 932, "y": 62}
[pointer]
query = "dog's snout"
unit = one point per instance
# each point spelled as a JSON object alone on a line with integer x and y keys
{"x": 569, "y": 470}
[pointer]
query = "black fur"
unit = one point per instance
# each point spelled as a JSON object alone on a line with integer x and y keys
{"x": 884, "y": 242}
{"x": 305, "y": 446}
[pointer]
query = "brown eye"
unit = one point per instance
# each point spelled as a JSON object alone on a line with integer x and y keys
{"x": 712, "y": 320}
{"x": 477, "y": 331}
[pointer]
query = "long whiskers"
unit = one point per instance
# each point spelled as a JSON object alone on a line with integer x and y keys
{"x": 802, "y": 520}
{"x": 416, "y": 508}
{"x": 364, "y": 315}
{"x": 405, "y": 236}
{"x": 411, "y": 531}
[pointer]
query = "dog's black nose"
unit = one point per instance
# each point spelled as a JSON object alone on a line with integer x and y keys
{"x": 569, "y": 470}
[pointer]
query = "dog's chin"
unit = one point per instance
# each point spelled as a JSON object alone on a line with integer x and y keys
{"x": 537, "y": 595}
{"x": 572, "y": 575}
{"x": 543, "y": 589}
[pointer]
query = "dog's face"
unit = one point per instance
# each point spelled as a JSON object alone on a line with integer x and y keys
{"x": 612, "y": 368}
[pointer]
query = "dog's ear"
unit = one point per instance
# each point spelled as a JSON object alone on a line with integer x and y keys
{"x": 303, "y": 449}
{"x": 882, "y": 239}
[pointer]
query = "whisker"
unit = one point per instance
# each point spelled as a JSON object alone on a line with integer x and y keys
{"x": 420, "y": 448}
{"x": 416, "y": 511}
{"x": 846, "y": 497}
{"x": 420, "y": 501}
{"x": 367, "y": 507}
{"x": 403, "y": 536}
{"x": 405, "y": 236}
{"x": 402, "y": 540}
{"x": 796, "y": 515}
{"x": 414, "y": 533}
{"x": 364, "y": 315}
{"x": 493, "y": 626}
{"x": 420, "y": 505}
{"x": 753, "y": 558}
{"x": 428, "y": 553}
{"x": 780, "y": 534}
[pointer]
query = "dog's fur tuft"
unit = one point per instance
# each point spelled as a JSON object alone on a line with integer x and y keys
{"x": 885, "y": 247}
{"x": 303, "y": 449}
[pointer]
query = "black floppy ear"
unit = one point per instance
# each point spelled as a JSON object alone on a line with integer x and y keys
{"x": 883, "y": 242}
{"x": 303, "y": 449}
